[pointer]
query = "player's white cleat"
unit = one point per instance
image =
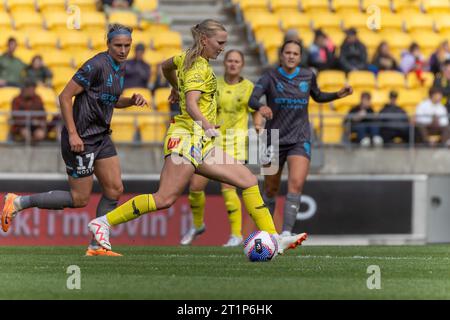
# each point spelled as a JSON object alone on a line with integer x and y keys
{"x": 191, "y": 235}
{"x": 234, "y": 241}
{"x": 101, "y": 232}
{"x": 286, "y": 233}
{"x": 290, "y": 242}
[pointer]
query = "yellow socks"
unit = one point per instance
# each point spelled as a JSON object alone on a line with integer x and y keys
{"x": 258, "y": 210}
{"x": 233, "y": 205}
{"x": 132, "y": 209}
{"x": 197, "y": 202}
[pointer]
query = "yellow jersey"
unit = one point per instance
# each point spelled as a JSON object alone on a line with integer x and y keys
{"x": 200, "y": 77}
{"x": 232, "y": 104}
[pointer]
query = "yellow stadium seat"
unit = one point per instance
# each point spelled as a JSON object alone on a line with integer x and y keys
{"x": 47, "y": 6}
{"x": 378, "y": 99}
{"x": 285, "y": 6}
{"x": 143, "y": 37}
{"x": 154, "y": 27}
{"x": 127, "y": 18}
{"x": 383, "y": 5}
{"x": 167, "y": 40}
{"x": 27, "y": 21}
{"x": 55, "y": 21}
{"x": 406, "y": 7}
{"x": 262, "y": 22}
{"x": 392, "y": 22}
{"x": 419, "y": 22}
{"x": 315, "y": 6}
{"x": 42, "y": 40}
{"x": 391, "y": 80}
{"x": 5, "y": 21}
{"x": 397, "y": 40}
{"x": 437, "y": 7}
{"x": 153, "y": 127}
{"x": 270, "y": 38}
{"x": 142, "y": 91}
{"x": 370, "y": 39}
{"x": 346, "y": 6}
{"x": 82, "y": 56}
{"x": 123, "y": 127}
{"x": 49, "y": 98}
{"x": 355, "y": 20}
{"x": 153, "y": 57}
{"x": 327, "y": 22}
{"x": 333, "y": 129}
{"x": 83, "y": 5}
{"x": 4, "y": 127}
{"x": 253, "y": 5}
{"x": 58, "y": 58}
{"x": 331, "y": 80}
{"x": 408, "y": 99}
{"x": 7, "y": 94}
{"x": 345, "y": 104}
{"x": 161, "y": 99}
{"x": 296, "y": 21}
{"x": 97, "y": 41}
{"x": 73, "y": 40}
{"x": 16, "y": 6}
{"x": 93, "y": 21}
{"x": 25, "y": 54}
{"x": 61, "y": 76}
{"x": 362, "y": 79}
{"x": 145, "y": 5}
{"x": 443, "y": 26}
{"x": 413, "y": 82}
{"x": 428, "y": 41}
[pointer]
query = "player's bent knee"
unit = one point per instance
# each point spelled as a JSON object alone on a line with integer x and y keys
{"x": 164, "y": 201}
{"x": 249, "y": 181}
{"x": 80, "y": 202}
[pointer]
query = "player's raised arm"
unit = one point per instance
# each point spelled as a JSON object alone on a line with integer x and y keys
{"x": 322, "y": 97}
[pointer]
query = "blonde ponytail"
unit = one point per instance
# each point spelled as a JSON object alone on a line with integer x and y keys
{"x": 207, "y": 28}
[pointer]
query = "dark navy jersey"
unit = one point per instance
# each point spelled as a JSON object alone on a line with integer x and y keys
{"x": 102, "y": 80}
{"x": 288, "y": 97}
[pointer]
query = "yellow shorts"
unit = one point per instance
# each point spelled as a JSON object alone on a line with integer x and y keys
{"x": 181, "y": 141}
{"x": 234, "y": 146}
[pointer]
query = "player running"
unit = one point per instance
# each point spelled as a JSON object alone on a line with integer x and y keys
{"x": 86, "y": 145}
{"x": 287, "y": 90}
{"x": 189, "y": 144}
{"x": 233, "y": 93}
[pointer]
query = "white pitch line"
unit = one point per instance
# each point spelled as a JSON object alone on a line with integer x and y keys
{"x": 371, "y": 257}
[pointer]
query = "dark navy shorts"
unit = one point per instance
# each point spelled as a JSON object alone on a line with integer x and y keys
{"x": 301, "y": 148}
{"x": 79, "y": 165}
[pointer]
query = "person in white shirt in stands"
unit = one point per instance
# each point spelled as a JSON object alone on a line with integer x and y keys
{"x": 432, "y": 118}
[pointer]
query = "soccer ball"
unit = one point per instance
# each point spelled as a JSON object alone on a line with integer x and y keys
{"x": 260, "y": 246}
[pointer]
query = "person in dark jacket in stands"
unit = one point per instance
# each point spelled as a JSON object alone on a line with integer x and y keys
{"x": 353, "y": 52}
{"x": 395, "y": 121}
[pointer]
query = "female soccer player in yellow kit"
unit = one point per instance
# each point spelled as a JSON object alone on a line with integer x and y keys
{"x": 233, "y": 93}
{"x": 189, "y": 144}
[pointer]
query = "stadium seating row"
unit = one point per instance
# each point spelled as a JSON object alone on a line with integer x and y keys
{"x": 61, "y": 5}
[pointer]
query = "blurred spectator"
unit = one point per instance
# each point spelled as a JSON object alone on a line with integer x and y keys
{"x": 360, "y": 120}
{"x": 353, "y": 52}
{"x": 39, "y": 73}
{"x": 11, "y": 67}
{"x": 413, "y": 61}
{"x": 118, "y": 4}
{"x": 161, "y": 82}
{"x": 432, "y": 118}
{"x": 322, "y": 52}
{"x": 293, "y": 35}
{"x": 26, "y": 127}
{"x": 394, "y": 121}
{"x": 442, "y": 81}
{"x": 383, "y": 58}
{"x": 438, "y": 58}
{"x": 137, "y": 71}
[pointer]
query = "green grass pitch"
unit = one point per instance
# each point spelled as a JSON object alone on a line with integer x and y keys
{"x": 309, "y": 272}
